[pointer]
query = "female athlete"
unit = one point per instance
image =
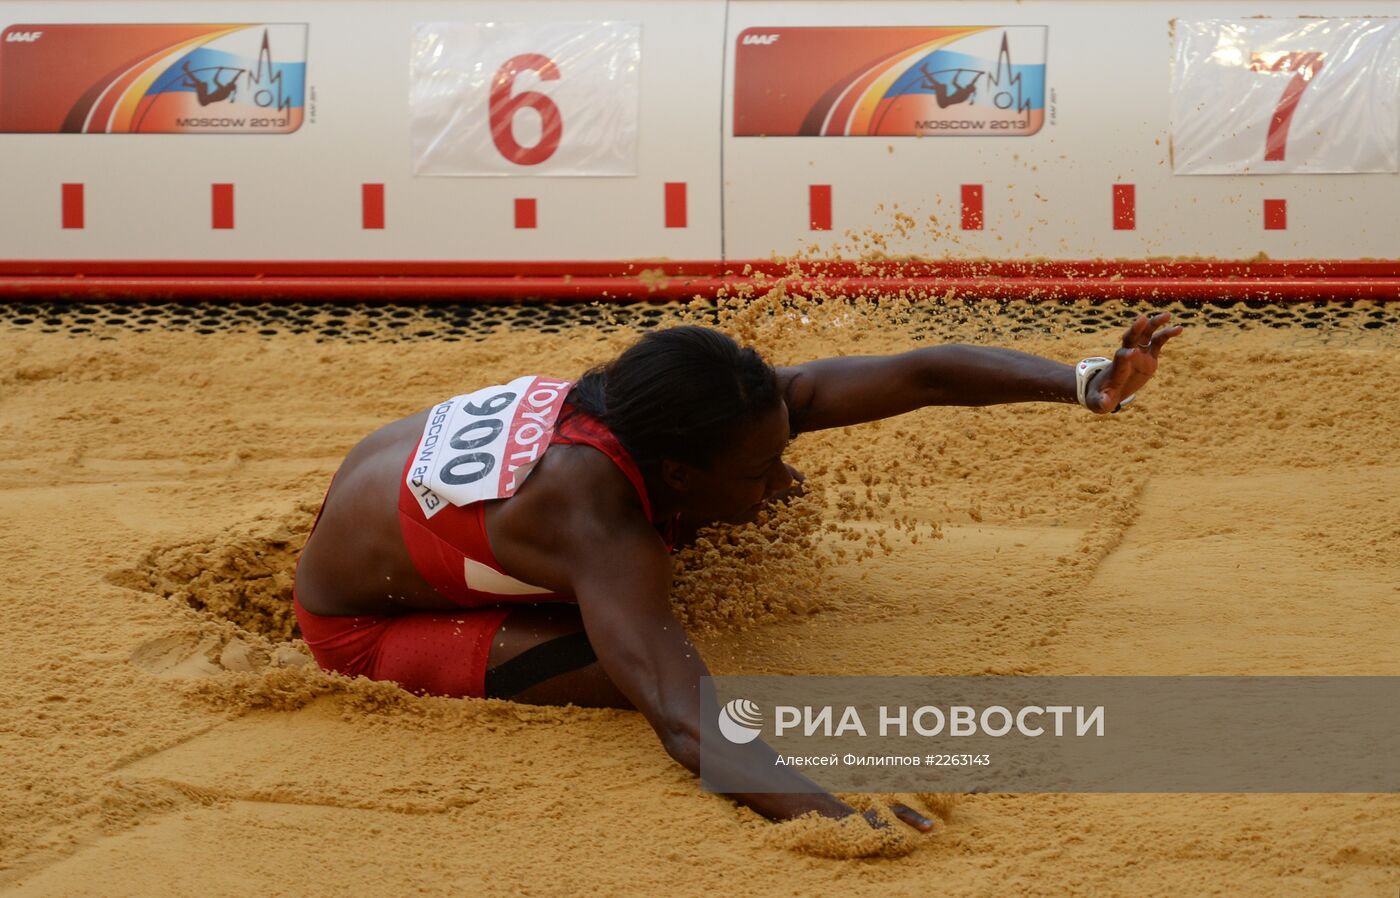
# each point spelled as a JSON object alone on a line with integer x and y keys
{"x": 514, "y": 542}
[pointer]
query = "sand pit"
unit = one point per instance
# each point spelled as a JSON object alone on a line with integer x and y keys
{"x": 163, "y": 734}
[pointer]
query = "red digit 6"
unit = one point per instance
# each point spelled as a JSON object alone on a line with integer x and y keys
{"x": 504, "y": 105}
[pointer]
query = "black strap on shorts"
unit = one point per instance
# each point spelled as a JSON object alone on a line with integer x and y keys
{"x": 538, "y": 663}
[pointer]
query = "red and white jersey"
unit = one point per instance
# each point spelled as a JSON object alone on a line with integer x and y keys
{"x": 448, "y": 542}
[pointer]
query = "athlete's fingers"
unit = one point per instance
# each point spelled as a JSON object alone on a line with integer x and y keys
{"x": 1162, "y": 337}
{"x": 872, "y": 817}
{"x": 913, "y": 818}
{"x": 1133, "y": 337}
{"x": 1130, "y": 335}
{"x": 1155, "y": 322}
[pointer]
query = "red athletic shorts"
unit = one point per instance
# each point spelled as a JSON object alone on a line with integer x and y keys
{"x": 426, "y": 652}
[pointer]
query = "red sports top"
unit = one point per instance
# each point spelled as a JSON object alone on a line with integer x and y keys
{"x": 451, "y": 549}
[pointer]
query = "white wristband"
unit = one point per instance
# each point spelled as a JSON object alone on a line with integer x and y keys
{"x": 1084, "y": 372}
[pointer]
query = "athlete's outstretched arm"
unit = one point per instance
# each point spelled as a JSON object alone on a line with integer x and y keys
{"x": 842, "y": 391}
{"x": 622, "y": 587}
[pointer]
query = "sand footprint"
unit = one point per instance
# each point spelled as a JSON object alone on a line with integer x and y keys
{"x": 192, "y": 655}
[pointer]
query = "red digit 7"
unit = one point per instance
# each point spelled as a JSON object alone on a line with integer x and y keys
{"x": 1304, "y": 67}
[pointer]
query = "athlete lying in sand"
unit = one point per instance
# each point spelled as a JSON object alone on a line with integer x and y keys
{"x": 435, "y": 563}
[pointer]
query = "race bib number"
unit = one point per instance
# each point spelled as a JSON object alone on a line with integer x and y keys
{"x": 483, "y": 445}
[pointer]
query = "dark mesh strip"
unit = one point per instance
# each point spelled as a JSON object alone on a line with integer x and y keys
{"x": 539, "y": 663}
{"x": 395, "y": 322}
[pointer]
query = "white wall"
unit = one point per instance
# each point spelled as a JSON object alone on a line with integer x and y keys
{"x": 1109, "y": 69}
{"x": 298, "y": 196}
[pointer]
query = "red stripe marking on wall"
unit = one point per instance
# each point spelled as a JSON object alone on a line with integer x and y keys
{"x": 525, "y": 216}
{"x": 372, "y": 207}
{"x": 972, "y": 207}
{"x": 73, "y": 206}
{"x": 222, "y": 196}
{"x": 1275, "y": 215}
{"x": 675, "y": 204}
{"x": 819, "y": 199}
{"x": 1124, "y": 207}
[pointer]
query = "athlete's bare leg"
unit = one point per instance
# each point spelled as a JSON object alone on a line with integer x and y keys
{"x": 556, "y": 630}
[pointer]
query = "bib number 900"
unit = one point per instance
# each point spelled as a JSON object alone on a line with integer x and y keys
{"x": 471, "y": 466}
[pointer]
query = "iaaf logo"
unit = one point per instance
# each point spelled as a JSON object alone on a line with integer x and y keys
{"x": 23, "y": 37}
{"x": 760, "y": 39}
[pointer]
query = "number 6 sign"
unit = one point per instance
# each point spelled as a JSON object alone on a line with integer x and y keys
{"x": 1262, "y": 96}
{"x": 504, "y": 104}
{"x": 527, "y": 99}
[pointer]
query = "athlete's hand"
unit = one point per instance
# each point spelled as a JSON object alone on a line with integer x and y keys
{"x": 1133, "y": 364}
{"x": 904, "y": 813}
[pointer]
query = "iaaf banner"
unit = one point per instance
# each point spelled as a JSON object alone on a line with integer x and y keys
{"x": 955, "y": 81}
{"x": 1050, "y": 734}
{"x": 152, "y": 79}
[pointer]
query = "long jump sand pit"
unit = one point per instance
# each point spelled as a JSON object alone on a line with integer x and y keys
{"x": 163, "y": 734}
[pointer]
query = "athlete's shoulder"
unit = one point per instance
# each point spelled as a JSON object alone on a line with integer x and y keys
{"x": 603, "y": 508}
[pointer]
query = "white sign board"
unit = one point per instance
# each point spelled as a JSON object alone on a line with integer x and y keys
{"x": 492, "y": 98}
{"x": 1264, "y": 96}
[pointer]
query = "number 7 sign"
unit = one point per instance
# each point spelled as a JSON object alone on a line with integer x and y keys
{"x": 1262, "y": 96}
{"x": 490, "y": 98}
{"x": 1304, "y": 66}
